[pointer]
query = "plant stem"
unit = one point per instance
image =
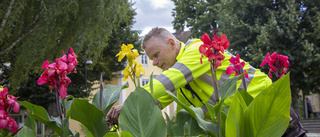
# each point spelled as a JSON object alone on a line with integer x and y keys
{"x": 215, "y": 83}
{"x": 101, "y": 92}
{"x": 58, "y": 103}
{"x": 243, "y": 80}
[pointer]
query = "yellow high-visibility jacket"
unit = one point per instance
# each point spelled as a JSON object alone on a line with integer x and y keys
{"x": 189, "y": 70}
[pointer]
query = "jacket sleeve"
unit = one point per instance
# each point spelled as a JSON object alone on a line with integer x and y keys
{"x": 186, "y": 69}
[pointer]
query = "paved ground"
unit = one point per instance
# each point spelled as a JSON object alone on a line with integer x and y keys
{"x": 313, "y": 134}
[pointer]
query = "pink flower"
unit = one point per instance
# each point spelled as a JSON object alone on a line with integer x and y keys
{"x": 7, "y": 102}
{"x": 12, "y": 124}
{"x": 3, "y": 119}
{"x": 237, "y": 66}
{"x": 278, "y": 64}
{"x": 11, "y": 100}
{"x": 56, "y": 73}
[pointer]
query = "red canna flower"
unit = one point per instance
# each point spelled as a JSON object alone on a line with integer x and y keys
{"x": 237, "y": 66}
{"x": 220, "y": 44}
{"x": 278, "y": 64}
{"x": 213, "y": 49}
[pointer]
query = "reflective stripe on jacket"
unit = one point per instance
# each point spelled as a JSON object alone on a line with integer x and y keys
{"x": 189, "y": 70}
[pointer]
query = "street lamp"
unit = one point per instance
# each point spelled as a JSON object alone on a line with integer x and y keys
{"x": 88, "y": 61}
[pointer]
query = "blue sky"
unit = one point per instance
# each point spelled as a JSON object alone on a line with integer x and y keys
{"x": 153, "y": 13}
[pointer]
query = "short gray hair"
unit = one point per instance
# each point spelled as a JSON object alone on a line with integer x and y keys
{"x": 161, "y": 33}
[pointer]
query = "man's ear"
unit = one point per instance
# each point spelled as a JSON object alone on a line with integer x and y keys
{"x": 171, "y": 42}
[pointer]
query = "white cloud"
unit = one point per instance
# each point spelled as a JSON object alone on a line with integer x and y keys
{"x": 153, "y": 13}
{"x": 161, "y": 3}
{"x": 147, "y": 29}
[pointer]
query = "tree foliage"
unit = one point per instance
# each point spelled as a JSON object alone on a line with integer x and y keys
{"x": 255, "y": 27}
{"x": 38, "y": 30}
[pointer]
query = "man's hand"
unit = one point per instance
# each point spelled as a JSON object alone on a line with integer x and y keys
{"x": 113, "y": 114}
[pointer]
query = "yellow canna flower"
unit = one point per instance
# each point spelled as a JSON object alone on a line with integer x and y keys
{"x": 126, "y": 51}
{"x": 1, "y": 88}
{"x": 126, "y": 73}
{"x": 139, "y": 69}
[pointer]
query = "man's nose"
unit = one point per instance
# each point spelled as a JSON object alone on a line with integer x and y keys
{"x": 155, "y": 62}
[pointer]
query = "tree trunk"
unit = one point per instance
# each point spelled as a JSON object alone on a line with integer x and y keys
{"x": 294, "y": 99}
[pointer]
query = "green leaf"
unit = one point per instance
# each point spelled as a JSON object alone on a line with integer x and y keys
{"x": 110, "y": 96}
{"x": 141, "y": 117}
{"x": 31, "y": 123}
{"x": 169, "y": 124}
{"x": 90, "y": 116}
{"x": 40, "y": 114}
{"x": 184, "y": 117}
{"x": 68, "y": 106}
{"x": 246, "y": 96}
{"x": 115, "y": 134}
{"x": 26, "y": 132}
{"x": 186, "y": 129}
{"x": 151, "y": 84}
{"x": 211, "y": 128}
{"x": 223, "y": 117}
{"x": 229, "y": 87}
{"x": 87, "y": 131}
{"x": 268, "y": 115}
{"x": 235, "y": 117}
{"x": 211, "y": 112}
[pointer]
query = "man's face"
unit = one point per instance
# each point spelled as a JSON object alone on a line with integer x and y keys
{"x": 162, "y": 52}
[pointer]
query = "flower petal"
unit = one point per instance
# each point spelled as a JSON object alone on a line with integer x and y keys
{"x": 230, "y": 70}
{"x": 206, "y": 39}
{"x": 45, "y": 64}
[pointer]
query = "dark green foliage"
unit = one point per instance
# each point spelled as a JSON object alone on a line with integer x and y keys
{"x": 255, "y": 27}
{"x": 38, "y": 30}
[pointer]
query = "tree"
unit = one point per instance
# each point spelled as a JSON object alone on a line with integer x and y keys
{"x": 255, "y": 27}
{"x": 38, "y": 30}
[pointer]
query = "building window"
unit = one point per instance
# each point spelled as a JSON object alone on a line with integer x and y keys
{"x": 144, "y": 81}
{"x": 144, "y": 59}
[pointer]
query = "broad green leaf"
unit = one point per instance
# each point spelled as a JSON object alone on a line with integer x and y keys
{"x": 68, "y": 106}
{"x": 110, "y": 96}
{"x": 31, "y": 123}
{"x": 184, "y": 117}
{"x": 141, "y": 117}
{"x": 26, "y": 132}
{"x": 223, "y": 117}
{"x": 229, "y": 87}
{"x": 234, "y": 121}
{"x": 169, "y": 124}
{"x": 211, "y": 128}
{"x": 186, "y": 129}
{"x": 66, "y": 131}
{"x": 87, "y": 131}
{"x": 246, "y": 96}
{"x": 40, "y": 114}
{"x": 268, "y": 115}
{"x": 115, "y": 134}
{"x": 211, "y": 112}
{"x": 90, "y": 116}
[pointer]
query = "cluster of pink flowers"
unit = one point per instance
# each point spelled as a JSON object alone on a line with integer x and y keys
{"x": 7, "y": 104}
{"x": 237, "y": 66}
{"x": 278, "y": 64}
{"x": 213, "y": 49}
{"x": 56, "y": 73}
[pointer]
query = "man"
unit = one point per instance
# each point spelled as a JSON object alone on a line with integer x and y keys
{"x": 184, "y": 74}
